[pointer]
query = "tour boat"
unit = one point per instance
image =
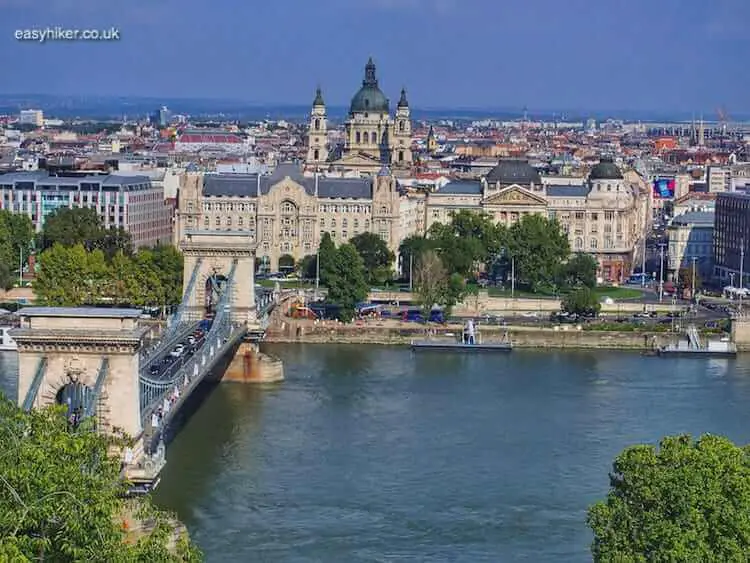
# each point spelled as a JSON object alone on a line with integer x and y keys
{"x": 469, "y": 341}
{"x": 7, "y": 344}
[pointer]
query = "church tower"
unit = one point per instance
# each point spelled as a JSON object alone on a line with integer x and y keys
{"x": 401, "y": 151}
{"x": 431, "y": 141}
{"x": 317, "y": 139}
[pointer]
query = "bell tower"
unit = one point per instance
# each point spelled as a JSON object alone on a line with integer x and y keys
{"x": 401, "y": 148}
{"x": 317, "y": 139}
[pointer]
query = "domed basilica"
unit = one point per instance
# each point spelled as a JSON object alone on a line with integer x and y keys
{"x": 373, "y": 137}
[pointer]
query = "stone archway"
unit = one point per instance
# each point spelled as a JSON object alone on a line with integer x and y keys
{"x": 214, "y": 287}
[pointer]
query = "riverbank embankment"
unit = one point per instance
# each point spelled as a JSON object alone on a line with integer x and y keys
{"x": 394, "y": 333}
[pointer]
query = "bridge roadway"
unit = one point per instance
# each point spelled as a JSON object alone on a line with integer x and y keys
{"x": 167, "y": 377}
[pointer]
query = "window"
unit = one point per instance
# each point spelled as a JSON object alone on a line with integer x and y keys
{"x": 206, "y": 222}
{"x": 317, "y": 126}
{"x": 579, "y": 243}
{"x": 333, "y": 223}
{"x": 594, "y": 243}
{"x": 356, "y": 224}
{"x": 322, "y": 222}
{"x": 400, "y": 156}
{"x": 344, "y": 223}
{"x": 229, "y": 221}
{"x": 190, "y": 206}
{"x": 366, "y": 137}
{"x": 206, "y": 206}
{"x": 287, "y": 207}
{"x": 218, "y": 221}
{"x": 239, "y": 221}
{"x": 358, "y": 137}
{"x": 401, "y": 126}
{"x": 316, "y": 154}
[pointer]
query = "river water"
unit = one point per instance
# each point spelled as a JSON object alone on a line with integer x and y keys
{"x": 378, "y": 454}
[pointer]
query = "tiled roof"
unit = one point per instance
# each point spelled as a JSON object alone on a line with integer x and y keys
{"x": 248, "y": 185}
{"x": 459, "y": 187}
{"x": 567, "y": 191}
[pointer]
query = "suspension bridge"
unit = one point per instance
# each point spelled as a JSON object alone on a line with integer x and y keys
{"x": 93, "y": 359}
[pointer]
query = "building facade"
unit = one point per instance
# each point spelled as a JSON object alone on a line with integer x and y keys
{"x": 31, "y": 117}
{"x": 732, "y": 238}
{"x": 287, "y": 212}
{"x": 691, "y": 241}
{"x": 372, "y": 136}
{"x": 604, "y": 216}
{"x": 130, "y": 202}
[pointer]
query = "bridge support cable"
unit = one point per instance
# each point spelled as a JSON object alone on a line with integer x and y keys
{"x": 178, "y": 316}
{"x": 101, "y": 376}
{"x": 36, "y": 383}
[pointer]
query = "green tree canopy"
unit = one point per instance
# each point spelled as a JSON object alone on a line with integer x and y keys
{"x": 61, "y": 496}
{"x": 539, "y": 246}
{"x": 16, "y": 240}
{"x": 469, "y": 240}
{"x": 687, "y": 501}
{"x": 578, "y": 271}
{"x": 307, "y": 266}
{"x": 410, "y": 251}
{"x": 327, "y": 258}
{"x": 346, "y": 282}
{"x": 581, "y": 301}
{"x": 430, "y": 281}
{"x": 82, "y": 225}
{"x": 376, "y": 257}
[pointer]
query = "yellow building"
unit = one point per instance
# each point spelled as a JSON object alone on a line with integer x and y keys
{"x": 603, "y": 215}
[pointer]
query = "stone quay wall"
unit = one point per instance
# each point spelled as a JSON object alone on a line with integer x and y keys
{"x": 521, "y": 337}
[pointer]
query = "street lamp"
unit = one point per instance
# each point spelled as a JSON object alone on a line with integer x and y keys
{"x": 661, "y": 273}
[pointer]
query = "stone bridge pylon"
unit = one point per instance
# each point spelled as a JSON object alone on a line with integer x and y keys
{"x": 209, "y": 257}
{"x": 85, "y": 358}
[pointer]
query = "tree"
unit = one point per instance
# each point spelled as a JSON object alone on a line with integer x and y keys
{"x": 686, "y": 278}
{"x": 376, "y": 256}
{"x": 539, "y": 246}
{"x": 286, "y": 262}
{"x": 410, "y": 250}
{"x": 326, "y": 258}
{"x": 61, "y": 496}
{"x": 581, "y": 301}
{"x": 16, "y": 238}
{"x": 63, "y": 277}
{"x": 71, "y": 226}
{"x": 430, "y": 281}
{"x": 168, "y": 264}
{"x": 123, "y": 287}
{"x": 307, "y": 267}
{"x": 346, "y": 281}
{"x": 688, "y": 501}
{"x": 578, "y": 271}
{"x": 115, "y": 240}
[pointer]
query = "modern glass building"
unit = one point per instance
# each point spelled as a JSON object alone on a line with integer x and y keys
{"x": 732, "y": 238}
{"x": 131, "y": 202}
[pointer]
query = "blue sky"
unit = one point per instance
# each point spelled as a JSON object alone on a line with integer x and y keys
{"x": 683, "y": 55}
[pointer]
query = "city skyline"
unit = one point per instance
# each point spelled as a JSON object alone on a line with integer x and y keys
{"x": 632, "y": 56}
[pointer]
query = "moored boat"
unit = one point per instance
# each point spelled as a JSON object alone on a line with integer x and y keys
{"x": 693, "y": 346}
{"x": 469, "y": 341}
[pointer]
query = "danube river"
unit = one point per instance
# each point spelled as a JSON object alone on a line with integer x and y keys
{"x": 377, "y": 454}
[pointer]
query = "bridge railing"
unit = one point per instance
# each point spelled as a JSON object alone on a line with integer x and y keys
{"x": 153, "y": 390}
{"x": 178, "y": 316}
{"x": 167, "y": 343}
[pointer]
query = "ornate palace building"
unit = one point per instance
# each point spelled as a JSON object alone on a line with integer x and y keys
{"x": 373, "y": 137}
{"x": 604, "y": 216}
{"x": 287, "y": 211}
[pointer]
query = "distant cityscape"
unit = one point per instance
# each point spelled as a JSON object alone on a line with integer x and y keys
{"x": 622, "y": 189}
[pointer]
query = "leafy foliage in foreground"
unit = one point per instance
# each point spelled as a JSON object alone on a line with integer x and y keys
{"x": 60, "y": 497}
{"x": 688, "y": 501}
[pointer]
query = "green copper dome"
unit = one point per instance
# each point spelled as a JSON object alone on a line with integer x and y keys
{"x": 605, "y": 170}
{"x": 369, "y": 98}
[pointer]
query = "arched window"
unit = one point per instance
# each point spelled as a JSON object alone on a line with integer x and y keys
{"x": 316, "y": 154}
{"x": 374, "y": 137}
{"x": 383, "y": 209}
{"x": 288, "y": 208}
{"x": 400, "y": 156}
{"x": 365, "y": 137}
{"x": 317, "y": 124}
{"x": 333, "y": 223}
{"x": 401, "y": 126}
{"x": 579, "y": 243}
{"x": 358, "y": 137}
